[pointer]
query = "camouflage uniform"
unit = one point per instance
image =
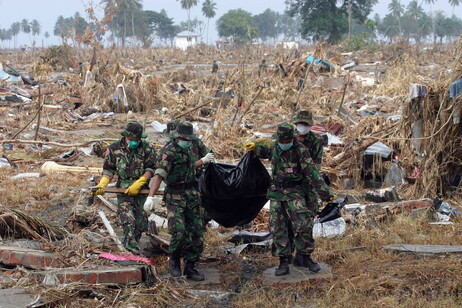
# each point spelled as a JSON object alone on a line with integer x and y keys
{"x": 294, "y": 176}
{"x": 313, "y": 142}
{"x": 129, "y": 165}
{"x": 198, "y": 150}
{"x": 182, "y": 198}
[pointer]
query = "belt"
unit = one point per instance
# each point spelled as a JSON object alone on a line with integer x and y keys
{"x": 288, "y": 184}
{"x": 183, "y": 186}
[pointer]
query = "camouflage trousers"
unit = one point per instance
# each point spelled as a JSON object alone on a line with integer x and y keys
{"x": 132, "y": 218}
{"x": 291, "y": 223}
{"x": 185, "y": 224}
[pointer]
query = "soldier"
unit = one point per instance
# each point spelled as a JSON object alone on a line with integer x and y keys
{"x": 303, "y": 121}
{"x": 262, "y": 67}
{"x": 133, "y": 160}
{"x": 198, "y": 150}
{"x": 214, "y": 67}
{"x": 291, "y": 222}
{"x": 177, "y": 168}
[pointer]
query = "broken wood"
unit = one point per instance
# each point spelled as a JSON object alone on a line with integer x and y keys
{"x": 122, "y": 190}
{"x": 50, "y": 167}
{"x": 108, "y": 204}
{"x": 57, "y": 144}
{"x": 111, "y": 231}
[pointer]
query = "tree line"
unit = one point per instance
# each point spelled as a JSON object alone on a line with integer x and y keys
{"x": 24, "y": 26}
{"x": 314, "y": 20}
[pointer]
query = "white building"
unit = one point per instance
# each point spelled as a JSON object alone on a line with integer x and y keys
{"x": 288, "y": 44}
{"x": 186, "y": 39}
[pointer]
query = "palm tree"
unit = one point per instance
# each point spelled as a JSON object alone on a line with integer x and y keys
{"x": 47, "y": 35}
{"x": 35, "y": 27}
{"x": 15, "y": 29}
{"x": 433, "y": 19}
{"x": 415, "y": 10}
{"x": 25, "y": 27}
{"x": 454, "y": 3}
{"x": 397, "y": 10}
{"x": 187, "y": 5}
{"x": 209, "y": 10}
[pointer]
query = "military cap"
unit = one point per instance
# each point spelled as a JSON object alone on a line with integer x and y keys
{"x": 185, "y": 130}
{"x": 285, "y": 131}
{"x": 171, "y": 126}
{"x": 133, "y": 129}
{"x": 303, "y": 116}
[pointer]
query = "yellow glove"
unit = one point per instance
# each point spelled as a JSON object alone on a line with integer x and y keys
{"x": 102, "y": 184}
{"x": 250, "y": 146}
{"x": 333, "y": 197}
{"x": 135, "y": 188}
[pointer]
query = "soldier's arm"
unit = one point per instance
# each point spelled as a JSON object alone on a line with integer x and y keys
{"x": 317, "y": 159}
{"x": 150, "y": 162}
{"x": 110, "y": 164}
{"x": 263, "y": 151}
{"x": 311, "y": 172}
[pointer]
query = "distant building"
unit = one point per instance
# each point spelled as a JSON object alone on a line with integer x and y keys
{"x": 226, "y": 45}
{"x": 288, "y": 44}
{"x": 186, "y": 39}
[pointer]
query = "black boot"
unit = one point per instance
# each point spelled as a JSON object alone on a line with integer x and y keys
{"x": 283, "y": 268}
{"x": 174, "y": 267}
{"x": 191, "y": 273}
{"x": 298, "y": 260}
{"x": 312, "y": 265}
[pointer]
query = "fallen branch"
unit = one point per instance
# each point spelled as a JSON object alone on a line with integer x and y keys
{"x": 57, "y": 144}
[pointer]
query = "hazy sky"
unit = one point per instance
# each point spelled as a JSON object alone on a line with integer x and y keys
{"x": 47, "y": 11}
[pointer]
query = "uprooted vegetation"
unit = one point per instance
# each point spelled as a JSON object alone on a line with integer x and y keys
{"x": 232, "y": 107}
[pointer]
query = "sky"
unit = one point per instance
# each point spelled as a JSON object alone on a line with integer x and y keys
{"x": 47, "y": 11}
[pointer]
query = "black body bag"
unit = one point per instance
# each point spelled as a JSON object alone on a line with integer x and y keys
{"x": 233, "y": 195}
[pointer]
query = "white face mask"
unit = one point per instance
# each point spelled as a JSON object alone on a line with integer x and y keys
{"x": 303, "y": 129}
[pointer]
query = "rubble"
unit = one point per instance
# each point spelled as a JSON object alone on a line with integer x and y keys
{"x": 392, "y": 142}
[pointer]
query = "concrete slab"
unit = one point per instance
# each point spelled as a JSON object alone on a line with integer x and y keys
{"x": 13, "y": 298}
{"x": 424, "y": 250}
{"x": 297, "y": 274}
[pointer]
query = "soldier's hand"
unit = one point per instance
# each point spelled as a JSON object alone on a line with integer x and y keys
{"x": 135, "y": 188}
{"x": 250, "y": 146}
{"x": 209, "y": 158}
{"x": 333, "y": 197}
{"x": 149, "y": 205}
{"x": 101, "y": 185}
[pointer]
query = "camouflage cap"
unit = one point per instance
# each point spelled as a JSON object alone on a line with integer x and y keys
{"x": 133, "y": 129}
{"x": 303, "y": 116}
{"x": 171, "y": 126}
{"x": 185, "y": 130}
{"x": 285, "y": 131}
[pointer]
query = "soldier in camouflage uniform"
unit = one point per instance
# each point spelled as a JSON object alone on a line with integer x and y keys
{"x": 133, "y": 160}
{"x": 294, "y": 175}
{"x": 303, "y": 121}
{"x": 198, "y": 150}
{"x": 177, "y": 168}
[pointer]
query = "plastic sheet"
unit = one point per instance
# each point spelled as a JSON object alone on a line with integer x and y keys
{"x": 233, "y": 195}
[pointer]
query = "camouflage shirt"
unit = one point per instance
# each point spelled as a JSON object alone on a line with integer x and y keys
{"x": 315, "y": 145}
{"x": 128, "y": 164}
{"x": 176, "y": 165}
{"x": 295, "y": 174}
{"x": 313, "y": 142}
{"x": 198, "y": 150}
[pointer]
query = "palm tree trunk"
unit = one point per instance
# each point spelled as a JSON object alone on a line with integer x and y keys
{"x": 208, "y": 21}
{"x": 125, "y": 30}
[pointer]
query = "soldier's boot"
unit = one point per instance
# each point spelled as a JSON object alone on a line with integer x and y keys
{"x": 283, "y": 268}
{"x": 312, "y": 265}
{"x": 174, "y": 267}
{"x": 191, "y": 273}
{"x": 298, "y": 260}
